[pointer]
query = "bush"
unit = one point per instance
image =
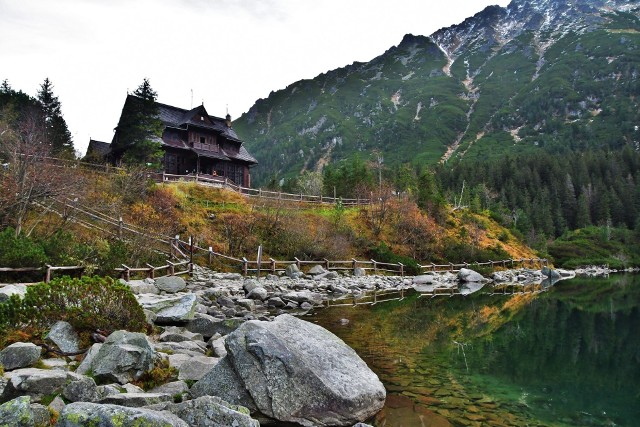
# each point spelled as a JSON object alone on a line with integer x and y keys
{"x": 382, "y": 253}
{"x": 20, "y": 251}
{"x": 87, "y": 304}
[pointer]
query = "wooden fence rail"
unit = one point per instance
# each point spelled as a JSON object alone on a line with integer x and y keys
{"x": 172, "y": 269}
{"x": 48, "y": 270}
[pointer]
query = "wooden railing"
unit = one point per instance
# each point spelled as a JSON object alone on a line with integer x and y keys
{"x": 505, "y": 263}
{"x": 149, "y": 271}
{"x": 48, "y": 270}
{"x": 222, "y": 182}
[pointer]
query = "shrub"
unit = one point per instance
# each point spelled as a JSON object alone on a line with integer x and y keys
{"x": 382, "y": 253}
{"x": 87, "y": 304}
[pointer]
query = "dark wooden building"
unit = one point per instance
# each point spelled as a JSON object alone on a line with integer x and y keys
{"x": 196, "y": 143}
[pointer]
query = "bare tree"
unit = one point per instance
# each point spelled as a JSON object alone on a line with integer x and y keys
{"x": 27, "y": 177}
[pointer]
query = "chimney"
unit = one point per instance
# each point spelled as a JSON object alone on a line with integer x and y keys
{"x": 228, "y": 120}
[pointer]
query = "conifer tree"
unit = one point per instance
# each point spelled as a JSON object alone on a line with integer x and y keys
{"x": 139, "y": 131}
{"x": 56, "y": 130}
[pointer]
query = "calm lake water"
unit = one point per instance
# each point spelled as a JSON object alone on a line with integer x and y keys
{"x": 569, "y": 356}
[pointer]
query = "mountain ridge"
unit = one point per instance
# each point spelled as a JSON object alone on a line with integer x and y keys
{"x": 504, "y": 78}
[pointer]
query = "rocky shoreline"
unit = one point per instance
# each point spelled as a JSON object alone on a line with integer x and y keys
{"x": 241, "y": 358}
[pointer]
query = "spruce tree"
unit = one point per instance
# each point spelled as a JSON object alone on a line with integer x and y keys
{"x": 139, "y": 131}
{"x": 57, "y": 132}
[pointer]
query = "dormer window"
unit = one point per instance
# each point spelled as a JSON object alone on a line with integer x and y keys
{"x": 202, "y": 118}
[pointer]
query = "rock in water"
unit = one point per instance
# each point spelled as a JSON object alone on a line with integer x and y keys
{"x": 295, "y": 371}
{"x": 467, "y": 275}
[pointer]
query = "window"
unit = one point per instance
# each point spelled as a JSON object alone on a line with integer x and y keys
{"x": 203, "y": 140}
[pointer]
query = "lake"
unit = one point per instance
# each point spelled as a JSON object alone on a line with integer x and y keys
{"x": 568, "y": 356}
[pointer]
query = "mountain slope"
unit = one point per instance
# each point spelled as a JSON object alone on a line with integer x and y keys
{"x": 536, "y": 74}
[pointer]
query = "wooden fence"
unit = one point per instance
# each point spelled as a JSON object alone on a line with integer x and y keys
{"x": 376, "y": 267}
{"x": 221, "y": 182}
{"x": 48, "y": 270}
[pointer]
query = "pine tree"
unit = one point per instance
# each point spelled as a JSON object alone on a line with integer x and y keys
{"x": 57, "y": 132}
{"x": 139, "y": 131}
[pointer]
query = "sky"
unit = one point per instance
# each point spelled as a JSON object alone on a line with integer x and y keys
{"x": 225, "y": 54}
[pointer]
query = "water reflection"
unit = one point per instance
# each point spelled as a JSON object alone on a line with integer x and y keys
{"x": 551, "y": 354}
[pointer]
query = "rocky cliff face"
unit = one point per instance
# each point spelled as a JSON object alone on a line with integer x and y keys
{"x": 536, "y": 74}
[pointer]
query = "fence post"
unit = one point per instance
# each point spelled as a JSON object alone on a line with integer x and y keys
{"x": 273, "y": 265}
{"x": 401, "y": 269}
{"x": 354, "y": 264}
{"x": 172, "y": 268}
{"x": 127, "y": 273}
{"x": 210, "y": 255}
{"x": 297, "y": 262}
{"x": 120, "y": 226}
{"x": 47, "y": 277}
{"x": 152, "y": 271}
{"x": 491, "y": 262}
{"x": 511, "y": 259}
{"x": 245, "y": 266}
{"x": 326, "y": 264}
{"x": 451, "y": 267}
{"x": 433, "y": 267}
{"x": 375, "y": 267}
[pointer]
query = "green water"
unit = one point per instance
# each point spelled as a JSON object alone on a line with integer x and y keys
{"x": 566, "y": 357}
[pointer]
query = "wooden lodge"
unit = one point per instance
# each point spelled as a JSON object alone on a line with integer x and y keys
{"x": 195, "y": 143}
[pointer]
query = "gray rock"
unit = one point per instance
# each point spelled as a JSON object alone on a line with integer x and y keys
{"x": 80, "y": 389}
{"x": 64, "y": 336}
{"x": 41, "y": 415}
{"x": 467, "y": 275}
{"x": 250, "y": 284}
{"x": 425, "y": 279}
{"x": 210, "y": 411}
{"x": 85, "y": 365}
{"x": 275, "y": 302}
{"x": 258, "y": 293}
{"x": 172, "y": 388}
{"x": 224, "y": 382}
{"x": 170, "y": 308}
{"x": 317, "y": 269}
{"x": 57, "y": 404}
{"x": 132, "y": 388}
{"x": 17, "y": 413}
{"x": 136, "y": 400}
{"x": 7, "y": 290}
{"x": 82, "y": 414}
{"x": 59, "y": 364}
{"x": 551, "y": 274}
{"x": 247, "y": 303}
{"x": 171, "y": 284}
{"x": 204, "y": 324}
{"x": 196, "y": 367}
{"x": 33, "y": 382}
{"x": 123, "y": 357}
{"x": 314, "y": 298}
{"x": 217, "y": 346}
{"x": 142, "y": 287}
{"x": 186, "y": 347}
{"x": 19, "y": 355}
{"x": 292, "y": 271}
{"x": 108, "y": 390}
{"x": 294, "y": 371}
{"x": 359, "y": 272}
{"x": 177, "y": 334}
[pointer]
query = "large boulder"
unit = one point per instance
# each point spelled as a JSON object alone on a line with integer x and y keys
{"x": 64, "y": 336}
{"x": 82, "y": 414}
{"x": 19, "y": 355}
{"x": 171, "y": 284}
{"x": 178, "y": 308}
{"x": 123, "y": 357}
{"x": 17, "y": 413}
{"x": 33, "y": 382}
{"x": 80, "y": 389}
{"x": 294, "y": 371}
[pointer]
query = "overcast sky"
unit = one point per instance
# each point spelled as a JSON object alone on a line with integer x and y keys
{"x": 228, "y": 52}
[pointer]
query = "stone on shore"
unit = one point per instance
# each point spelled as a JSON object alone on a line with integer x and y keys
{"x": 294, "y": 371}
{"x": 467, "y": 275}
{"x": 19, "y": 355}
{"x": 175, "y": 308}
{"x": 123, "y": 357}
{"x": 64, "y": 336}
{"x": 82, "y": 414}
